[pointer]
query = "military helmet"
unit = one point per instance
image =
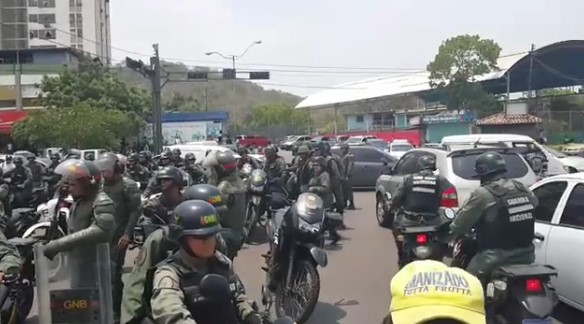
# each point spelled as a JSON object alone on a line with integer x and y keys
{"x": 134, "y": 157}
{"x": 426, "y": 162}
{"x": 208, "y": 193}
{"x": 190, "y": 157}
{"x": 490, "y": 163}
{"x": 108, "y": 161}
{"x": 226, "y": 160}
{"x": 197, "y": 218}
{"x": 241, "y": 150}
{"x": 172, "y": 173}
{"x": 303, "y": 149}
{"x": 319, "y": 160}
{"x": 166, "y": 155}
{"x": 270, "y": 150}
{"x": 74, "y": 169}
{"x": 176, "y": 152}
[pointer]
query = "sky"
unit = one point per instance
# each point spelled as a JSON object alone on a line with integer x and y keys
{"x": 309, "y": 46}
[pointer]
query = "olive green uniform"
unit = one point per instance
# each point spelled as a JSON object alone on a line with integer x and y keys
{"x": 233, "y": 191}
{"x": 10, "y": 260}
{"x": 347, "y": 161}
{"x": 167, "y": 301}
{"x": 482, "y": 204}
{"x": 126, "y": 196}
{"x": 321, "y": 185}
{"x": 91, "y": 221}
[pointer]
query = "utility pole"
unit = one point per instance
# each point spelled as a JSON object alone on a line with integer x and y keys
{"x": 18, "y": 81}
{"x": 156, "y": 100}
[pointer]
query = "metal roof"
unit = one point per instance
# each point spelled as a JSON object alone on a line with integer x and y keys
{"x": 560, "y": 69}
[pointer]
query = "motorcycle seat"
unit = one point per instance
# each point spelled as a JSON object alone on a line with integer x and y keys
{"x": 22, "y": 241}
{"x": 525, "y": 270}
{"x": 418, "y": 229}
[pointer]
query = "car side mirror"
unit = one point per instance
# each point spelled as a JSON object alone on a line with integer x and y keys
{"x": 388, "y": 170}
{"x": 384, "y": 161}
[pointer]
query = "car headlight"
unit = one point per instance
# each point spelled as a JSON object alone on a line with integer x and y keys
{"x": 422, "y": 252}
{"x": 309, "y": 228}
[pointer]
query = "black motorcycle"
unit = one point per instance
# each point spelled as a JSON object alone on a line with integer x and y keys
{"x": 425, "y": 241}
{"x": 521, "y": 293}
{"x": 17, "y": 292}
{"x": 20, "y": 220}
{"x": 298, "y": 234}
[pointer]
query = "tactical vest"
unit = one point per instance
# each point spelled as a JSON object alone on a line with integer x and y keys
{"x": 513, "y": 226}
{"x": 19, "y": 176}
{"x": 204, "y": 311}
{"x": 423, "y": 196}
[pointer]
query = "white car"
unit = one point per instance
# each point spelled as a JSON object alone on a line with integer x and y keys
{"x": 357, "y": 140}
{"x": 397, "y": 149}
{"x": 573, "y": 163}
{"x": 559, "y": 233}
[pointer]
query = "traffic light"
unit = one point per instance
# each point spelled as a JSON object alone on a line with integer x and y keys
{"x": 259, "y": 75}
{"x": 133, "y": 64}
{"x": 229, "y": 74}
{"x": 197, "y": 75}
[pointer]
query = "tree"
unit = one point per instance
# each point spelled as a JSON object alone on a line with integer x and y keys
{"x": 92, "y": 84}
{"x": 278, "y": 119}
{"x": 81, "y": 126}
{"x": 454, "y": 70}
{"x": 179, "y": 102}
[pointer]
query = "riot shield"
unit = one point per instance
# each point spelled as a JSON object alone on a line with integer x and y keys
{"x": 85, "y": 293}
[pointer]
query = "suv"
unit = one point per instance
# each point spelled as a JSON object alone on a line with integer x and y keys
{"x": 457, "y": 166}
{"x": 294, "y": 142}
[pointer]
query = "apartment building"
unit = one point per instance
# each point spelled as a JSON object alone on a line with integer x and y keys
{"x": 80, "y": 24}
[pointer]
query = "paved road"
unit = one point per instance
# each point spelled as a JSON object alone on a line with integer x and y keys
{"x": 355, "y": 285}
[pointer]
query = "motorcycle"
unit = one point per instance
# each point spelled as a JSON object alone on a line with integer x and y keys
{"x": 297, "y": 232}
{"x": 52, "y": 224}
{"x": 256, "y": 205}
{"x": 426, "y": 242}
{"x": 521, "y": 293}
{"x": 17, "y": 291}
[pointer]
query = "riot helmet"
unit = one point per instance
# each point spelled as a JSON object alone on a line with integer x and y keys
{"x": 208, "y": 193}
{"x": 426, "y": 162}
{"x": 109, "y": 162}
{"x": 271, "y": 152}
{"x": 166, "y": 158}
{"x": 490, "y": 164}
{"x": 176, "y": 153}
{"x": 303, "y": 150}
{"x": 170, "y": 173}
{"x": 79, "y": 176}
{"x": 199, "y": 223}
{"x": 226, "y": 163}
{"x": 190, "y": 159}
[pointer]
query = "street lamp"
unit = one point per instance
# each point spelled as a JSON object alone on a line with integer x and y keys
{"x": 234, "y": 58}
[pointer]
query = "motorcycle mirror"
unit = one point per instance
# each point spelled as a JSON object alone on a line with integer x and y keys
{"x": 449, "y": 213}
{"x": 284, "y": 320}
{"x": 215, "y": 286}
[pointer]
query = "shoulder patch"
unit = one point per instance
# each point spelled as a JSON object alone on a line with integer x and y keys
{"x": 141, "y": 257}
{"x": 167, "y": 282}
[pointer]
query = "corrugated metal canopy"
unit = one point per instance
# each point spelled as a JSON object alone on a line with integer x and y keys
{"x": 560, "y": 59}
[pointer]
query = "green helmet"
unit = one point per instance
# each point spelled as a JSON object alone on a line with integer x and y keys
{"x": 490, "y": 163}
{"x": 170, "y": 172}
{"x": 208, "y": 193}
{"x": 303, "y": 149}
{"x": 197, "y": 218}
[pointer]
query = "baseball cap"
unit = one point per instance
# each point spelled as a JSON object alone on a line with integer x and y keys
{"x": 427, "y": 290}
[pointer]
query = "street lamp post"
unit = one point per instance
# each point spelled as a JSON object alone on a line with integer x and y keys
{"x": 234, "y": 58}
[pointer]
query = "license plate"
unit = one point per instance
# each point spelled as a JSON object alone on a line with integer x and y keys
{"x": 537, "y": 321}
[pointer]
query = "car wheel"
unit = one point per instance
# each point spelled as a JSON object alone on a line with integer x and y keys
{"x": 383, "y": 218}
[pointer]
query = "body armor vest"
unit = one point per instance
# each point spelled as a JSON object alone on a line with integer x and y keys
{"x": 423, "y": 196}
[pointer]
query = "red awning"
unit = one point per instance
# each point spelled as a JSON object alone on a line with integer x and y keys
{"x": 8, "y": 118}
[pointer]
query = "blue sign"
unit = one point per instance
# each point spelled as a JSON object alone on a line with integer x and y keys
{"x": 467, "y": 117}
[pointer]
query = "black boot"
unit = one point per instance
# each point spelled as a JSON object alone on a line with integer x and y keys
{"x": 351, "y": 206}
{"x": 335, "y": 237}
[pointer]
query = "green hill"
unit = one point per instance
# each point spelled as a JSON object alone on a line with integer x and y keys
{"x": 191, "y": 96}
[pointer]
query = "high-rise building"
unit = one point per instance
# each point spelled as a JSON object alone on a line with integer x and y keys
{"x": 80, "y": 24}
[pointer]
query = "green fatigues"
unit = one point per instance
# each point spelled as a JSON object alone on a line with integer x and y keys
{"x": 168, "y": 298}
{"x": 347, "y": 161}
{"x": 321, "y": 185}
{"x": 91, "y": 221}
{"x": 125, "y": 194}
{"x": 10, "y": 260}
{"x": 482, "y": 204}
{"x": 302, "y": 169}
{"x": 334, "y": 171}
{"x": 233, "y": 191}
{"x": 275, "y": 168}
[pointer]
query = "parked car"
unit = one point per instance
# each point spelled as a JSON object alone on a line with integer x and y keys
{"x": 457, "y": 166}
{"x": 369, "y": 164}
{"x": 317, "y": 139}
{"x": 294, "y": 142}
{"x": 559, "y": 233}
{"x": 573, "y": 163}
{"x": 377, "y": 143}
{"x": 358, "y": 139}
{"x": 254, "y": 140}
{"x": 398, "y": 148}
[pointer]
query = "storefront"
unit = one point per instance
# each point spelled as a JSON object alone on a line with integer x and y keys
{"x": 436, "y": 127}
{"x": 7, "y": 121}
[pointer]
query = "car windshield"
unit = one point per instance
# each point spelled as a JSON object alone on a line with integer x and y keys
{"x": 400, "y": 147}
{"x": 463, "y": 166}
{"x": 354, "y": 140}
{"x": 555, "y": 153}
{"x": 377, "y": 144}
{"x": 293, "y": 138}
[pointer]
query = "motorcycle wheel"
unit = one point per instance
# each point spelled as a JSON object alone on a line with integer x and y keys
{"x": 283, "y": 295}
{"x": 25, "y": 302}
{"x": 58, "y": 264}
{"x": 251, "y": 223}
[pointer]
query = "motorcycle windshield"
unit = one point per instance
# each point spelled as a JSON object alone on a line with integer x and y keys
{"x": 258, "y": 178}
{"x": 310, "y": 208}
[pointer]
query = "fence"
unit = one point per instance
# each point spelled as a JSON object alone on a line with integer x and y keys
{"x": 558, "y": 124}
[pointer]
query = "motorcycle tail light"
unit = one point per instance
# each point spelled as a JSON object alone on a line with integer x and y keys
{"x": 533, "y": 285}
{"x": 422, "y": 239}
